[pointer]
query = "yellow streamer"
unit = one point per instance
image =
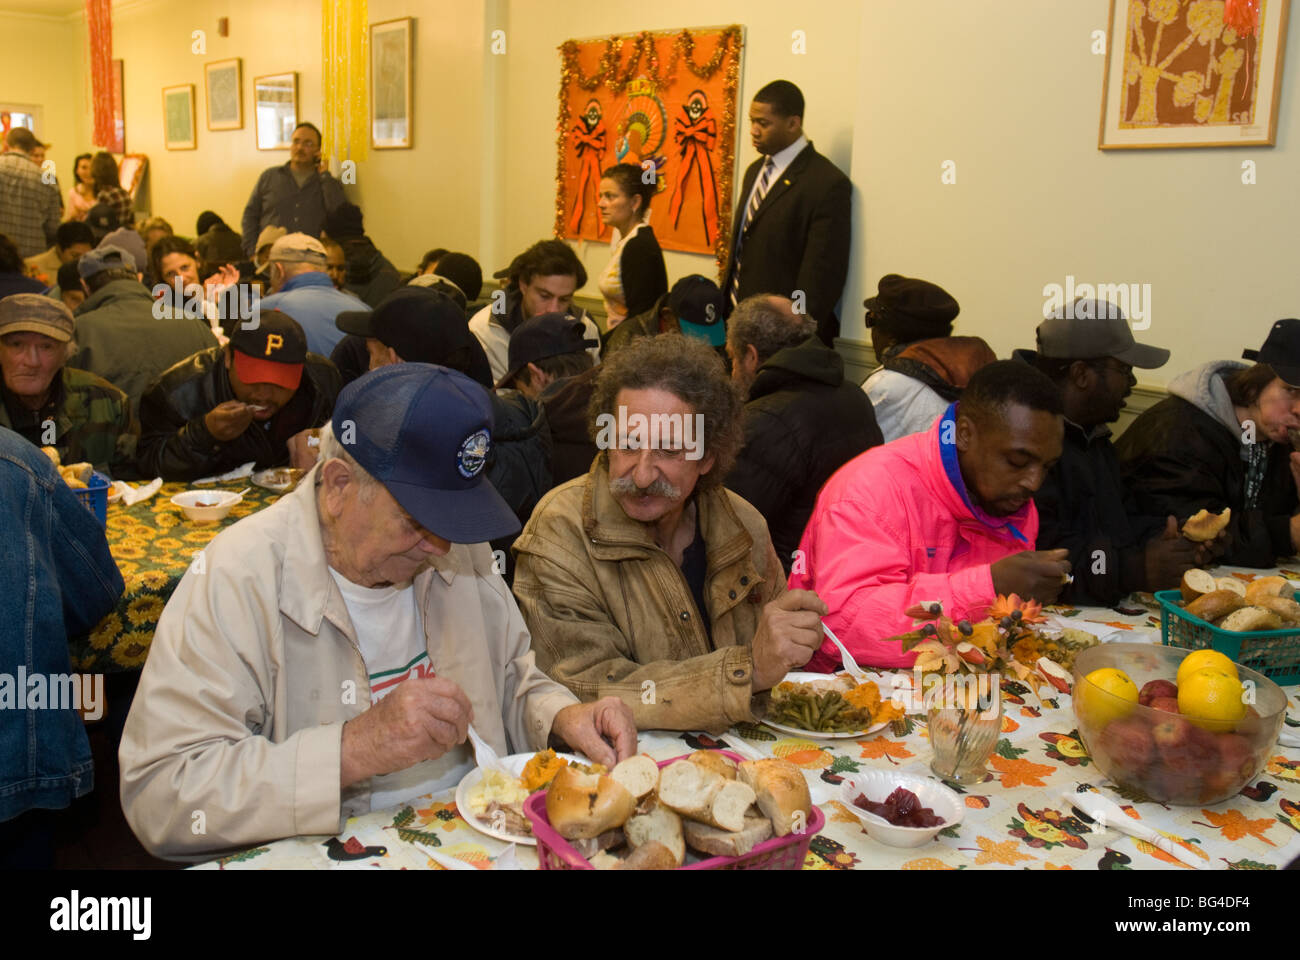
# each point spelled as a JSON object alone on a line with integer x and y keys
{"x": 345, "y": 39}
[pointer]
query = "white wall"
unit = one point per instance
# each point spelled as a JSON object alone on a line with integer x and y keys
{"x": 1014, "y": 100}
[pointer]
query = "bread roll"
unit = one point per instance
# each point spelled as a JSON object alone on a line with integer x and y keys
{"x": 659, "y": 824}
{"x": 1197, "y": 582}
{"x": 781, "y": 791}
{"x": 77, "y": 471}
{"x": 726, "y": 843}
{"x": 582, "y": 805}
{"x": 1231, "y": 583}
{"x": 1215, "y": 604}
{"x": 605, "y": 861}
{"x": 651, "y": 856}
{"x": 1285, "y": 608}
{"x": 704, "y": 795}
{"x": 715, "y": 761}
{"x": 1250, "y": 618}
{"x": 639, "y": 775}
{"x": 53, "y": 454}
{"x": 1268, "y": 587}
{"x": 1203, "y": 525}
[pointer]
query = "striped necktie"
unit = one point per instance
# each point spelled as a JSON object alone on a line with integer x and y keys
{"x": 764, "y": 183}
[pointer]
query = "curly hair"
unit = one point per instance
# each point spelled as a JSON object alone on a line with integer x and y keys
{"x": 690, "y": 370}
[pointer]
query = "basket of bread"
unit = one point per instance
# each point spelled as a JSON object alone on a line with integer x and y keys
{"x": 1255, "y": 623}
{"x": 708, "y": 810}
{"x": 90, "y": 487}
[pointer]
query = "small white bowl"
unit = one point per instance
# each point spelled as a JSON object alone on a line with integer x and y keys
{"x": 206, "y": 506}
{"x": 879, "y": 784}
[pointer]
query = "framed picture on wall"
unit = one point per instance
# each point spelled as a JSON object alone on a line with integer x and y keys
{"x": 1199, "y": 74}
{"x": 275, "y": 109}
{"x": 225, "y": 87}
{"x": 178, "y": 117}
{"x": 390, "y": 83}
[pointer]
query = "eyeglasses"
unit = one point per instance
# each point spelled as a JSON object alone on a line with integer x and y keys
{"x": 1111, "y": 364}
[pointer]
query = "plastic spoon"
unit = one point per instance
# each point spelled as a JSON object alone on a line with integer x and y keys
{"x": 1109, "y": 814}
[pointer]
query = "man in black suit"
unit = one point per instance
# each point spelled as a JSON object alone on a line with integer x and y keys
{"x": 791, "y": 230}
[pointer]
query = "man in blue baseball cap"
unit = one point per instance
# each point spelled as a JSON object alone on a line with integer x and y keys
{"x": 692, "y": 307}
{"x": 332, "y": 652}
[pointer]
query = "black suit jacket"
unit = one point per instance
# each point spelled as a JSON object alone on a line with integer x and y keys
{"x": 798, "y": 238}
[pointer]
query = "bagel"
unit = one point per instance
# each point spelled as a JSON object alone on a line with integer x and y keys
{"x": 1215, "y": 604}
{"x": 1268, "y": 587}
{"x": 584, "y": 805}
{"x": 1284, "y": 607}
{"x": 1250, "y": 618}
{"x": 1203, "y": 525}
{"x": 1196, "y": 583}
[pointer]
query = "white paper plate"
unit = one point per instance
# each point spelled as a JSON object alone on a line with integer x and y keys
{"x": 825, "y": 678}
{"x": 515, "y": 763}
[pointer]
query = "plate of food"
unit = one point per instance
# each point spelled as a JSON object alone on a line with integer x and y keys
{"x": 279, "y": 479}
{"x": 493, "y": 804}
{"x": 829, "y": 707}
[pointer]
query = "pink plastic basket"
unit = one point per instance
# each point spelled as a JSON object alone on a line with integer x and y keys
{"x": 778, "y": 853}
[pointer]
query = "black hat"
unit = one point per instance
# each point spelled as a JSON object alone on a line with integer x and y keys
{"x": 207, "y": 220}
{"x": 911, "y": 309}
{"x": 422, "y": 325}
{"x": 696, "y": 302}
{"x": 462, "y": 270}
{"x": 546, "y": 335}
{"x": 344, "y": 221}
{"x": 270, "y": 349}
{"x": 1281, "y": 351}
{"x": 103, "y": 219}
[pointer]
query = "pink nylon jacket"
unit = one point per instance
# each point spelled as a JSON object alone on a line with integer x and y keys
{"x": 892, "y": 527}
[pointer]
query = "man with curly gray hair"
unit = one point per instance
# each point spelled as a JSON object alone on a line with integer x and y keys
{"x": 646, "y": 579}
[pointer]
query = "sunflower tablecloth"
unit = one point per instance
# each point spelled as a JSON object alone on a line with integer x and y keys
{"x": 153, "y": 544}
{"x": 1016, "y": 819}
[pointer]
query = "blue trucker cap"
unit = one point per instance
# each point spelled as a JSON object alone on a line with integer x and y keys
{"x": 424, "y": 433}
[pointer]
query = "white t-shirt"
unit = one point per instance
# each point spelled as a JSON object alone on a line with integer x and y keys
{"x": 390, "y": 633}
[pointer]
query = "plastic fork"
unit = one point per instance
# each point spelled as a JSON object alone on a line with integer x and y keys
{"x": 846, "y": 658}
{"x": 487, "y": 757}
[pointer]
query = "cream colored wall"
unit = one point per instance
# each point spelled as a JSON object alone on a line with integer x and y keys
{"x": 825, "y": 74}
{"x": 412, "y": 199}
{"x": 39, "y": 67}
{"x": 1013, "y": 98}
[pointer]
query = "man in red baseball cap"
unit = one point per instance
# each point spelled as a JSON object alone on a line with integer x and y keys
{"x": 251, "y": 400}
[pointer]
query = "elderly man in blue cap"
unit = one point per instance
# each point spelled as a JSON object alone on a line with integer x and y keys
{"x": 331, "y": 654}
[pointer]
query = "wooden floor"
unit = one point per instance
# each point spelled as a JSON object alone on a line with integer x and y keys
{"x": 92, "y": 834}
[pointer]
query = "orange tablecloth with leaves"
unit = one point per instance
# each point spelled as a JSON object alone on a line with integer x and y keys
{"x": 153, "y": 544}
{"x": 1014, "y": 820}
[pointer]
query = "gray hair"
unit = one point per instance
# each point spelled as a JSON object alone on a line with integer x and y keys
{"x": 757, "y": 322}
{"x": 331, "y": 448}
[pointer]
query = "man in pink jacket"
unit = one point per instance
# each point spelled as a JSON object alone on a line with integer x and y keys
{"x": 942, "y": 515}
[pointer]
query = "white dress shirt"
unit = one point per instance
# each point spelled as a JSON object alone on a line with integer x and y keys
{"x": 781, "y": 162}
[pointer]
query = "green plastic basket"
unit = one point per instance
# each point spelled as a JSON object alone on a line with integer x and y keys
{"x": 1274, "y": 653}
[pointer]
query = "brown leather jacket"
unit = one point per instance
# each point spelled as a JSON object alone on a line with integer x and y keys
{"x": 611, "y": 614}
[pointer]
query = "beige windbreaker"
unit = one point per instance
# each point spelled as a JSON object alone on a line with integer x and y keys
{"x": 235, "y": 733}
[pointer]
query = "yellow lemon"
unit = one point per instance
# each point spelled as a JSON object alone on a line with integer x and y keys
{"x": 1201, "y": 659}
{"x": 1211, "y": 700}
{"x": 1106, "y": 695}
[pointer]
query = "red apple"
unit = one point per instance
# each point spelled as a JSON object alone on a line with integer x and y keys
{"x": 1167, "y": 704}
{"x": 1236, "y": 756}
{"x": 1170, "y": 733}
{"x": 1156, "y": 688}
{"x": 1127, "y": 742}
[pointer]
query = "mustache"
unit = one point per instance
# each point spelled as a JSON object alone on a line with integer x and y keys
{"x": 623, "y": 486}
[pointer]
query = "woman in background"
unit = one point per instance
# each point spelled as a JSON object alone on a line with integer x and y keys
{"x": 108, "y": 188}
{"x": 635, "y": 277}
{"x": 81, "y": 195}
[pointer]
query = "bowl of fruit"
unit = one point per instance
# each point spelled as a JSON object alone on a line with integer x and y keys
{"x": 1178, "y": 726}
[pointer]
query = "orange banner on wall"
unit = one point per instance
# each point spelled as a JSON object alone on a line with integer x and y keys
{"x": 665, "y": 102}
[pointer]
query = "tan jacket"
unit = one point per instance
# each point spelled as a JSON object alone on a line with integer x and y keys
{"x": 609, "y": 610}
{"x": 255, "y": 667}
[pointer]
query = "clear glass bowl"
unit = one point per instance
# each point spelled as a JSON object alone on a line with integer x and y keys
{"x": 1169, "y": 757}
